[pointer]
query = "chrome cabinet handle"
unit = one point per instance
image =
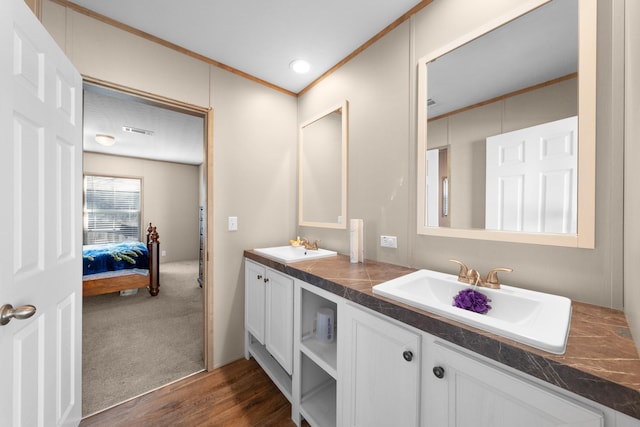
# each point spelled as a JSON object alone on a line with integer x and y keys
{"x": 7, "y": 312}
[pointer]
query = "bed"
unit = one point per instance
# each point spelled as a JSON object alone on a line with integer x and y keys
{"x": 120, "y": 266}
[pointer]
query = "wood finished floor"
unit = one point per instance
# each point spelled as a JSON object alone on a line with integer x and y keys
{"x": 238, "y": 394}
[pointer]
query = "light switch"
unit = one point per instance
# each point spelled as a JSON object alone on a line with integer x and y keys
{"x": 233, "y": 223}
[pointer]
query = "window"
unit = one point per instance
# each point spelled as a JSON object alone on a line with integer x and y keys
{"x": 111, "y": 209}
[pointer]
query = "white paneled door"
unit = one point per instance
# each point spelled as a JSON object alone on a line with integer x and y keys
{"x": 532, "y": 179}
{"x": 40, "y": 225}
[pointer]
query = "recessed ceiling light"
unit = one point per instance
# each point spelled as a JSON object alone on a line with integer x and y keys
{"x": 106, "y": 140}
{"x": 299, "y": 66}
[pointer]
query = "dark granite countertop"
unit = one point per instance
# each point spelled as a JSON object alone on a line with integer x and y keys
{"x": 601, "y": 361}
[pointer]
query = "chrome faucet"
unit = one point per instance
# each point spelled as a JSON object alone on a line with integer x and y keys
{"x": 472, "y": 276}
{"x": 308, "y": 245}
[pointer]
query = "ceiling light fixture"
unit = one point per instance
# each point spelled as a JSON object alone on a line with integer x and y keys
{"x": 299, "y": 66}
{"x": 131, "y": 129}
{"x": 106, "y": 140}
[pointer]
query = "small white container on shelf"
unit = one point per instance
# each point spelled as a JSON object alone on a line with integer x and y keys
{"x": 324, "y": 325}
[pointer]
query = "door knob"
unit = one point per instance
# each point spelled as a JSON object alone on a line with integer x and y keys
{"x": 408, "y": 356}
{"x": 438, "y": 371}
{"x": 7, "y": 312}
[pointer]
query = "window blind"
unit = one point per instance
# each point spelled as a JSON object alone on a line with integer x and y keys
{"x": 111, "y": 209}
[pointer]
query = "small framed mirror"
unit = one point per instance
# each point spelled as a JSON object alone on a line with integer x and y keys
{"x": 322, "y": 169}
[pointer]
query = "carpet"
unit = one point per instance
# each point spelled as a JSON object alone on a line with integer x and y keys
{"x": 133, "y": 344}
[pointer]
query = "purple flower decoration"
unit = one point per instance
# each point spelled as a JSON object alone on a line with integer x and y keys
{"x": 472, "y": 300}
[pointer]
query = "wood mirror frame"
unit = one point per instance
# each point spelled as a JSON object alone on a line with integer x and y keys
{"x": 585, "y": 236}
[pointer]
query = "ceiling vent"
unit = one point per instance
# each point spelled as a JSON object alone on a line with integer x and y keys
{"x": 137, "y": 130}
{"x": 430, "y": 102}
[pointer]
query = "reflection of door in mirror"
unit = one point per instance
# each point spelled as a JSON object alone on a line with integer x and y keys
{"x": 438, "y": 187}
{"x": 532, "y": 178}
{"x": 322, "y": 170}
{"x": 466, "y": 133}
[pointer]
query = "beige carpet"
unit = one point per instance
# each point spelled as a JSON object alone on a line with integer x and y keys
{"x": 133, "y": 344}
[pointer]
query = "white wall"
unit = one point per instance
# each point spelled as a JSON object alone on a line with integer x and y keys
{"x": 170, "y": 199}
{"x": 380, "y": 169}
{"x": 632, "y": 175}
{"x": 254, "y": 179}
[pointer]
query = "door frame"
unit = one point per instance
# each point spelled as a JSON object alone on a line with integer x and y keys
{"x": 207, "y": 114}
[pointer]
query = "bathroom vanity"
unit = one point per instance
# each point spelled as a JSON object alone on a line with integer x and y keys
{"x": 392, "y": 364}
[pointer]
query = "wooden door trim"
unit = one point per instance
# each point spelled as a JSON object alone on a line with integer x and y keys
{"x": 36, "y": 7}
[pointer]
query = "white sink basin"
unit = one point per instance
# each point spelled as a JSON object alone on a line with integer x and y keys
{"x": 294, "y": 253}
{"x": 533, "y": 318}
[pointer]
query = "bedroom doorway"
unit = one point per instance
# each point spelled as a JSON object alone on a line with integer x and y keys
{"x": 165, "y": 143}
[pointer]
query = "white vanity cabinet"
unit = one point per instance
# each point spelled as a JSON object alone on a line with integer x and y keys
{"x": 378, "y": 371}
{"x": 269, "y": 322}
{"x": 381, "y": 381}
{"x": 465, "y": 391}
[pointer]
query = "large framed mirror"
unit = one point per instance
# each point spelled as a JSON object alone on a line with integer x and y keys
{"x": 322, "y": 169}
{"x": 506, "y": 129}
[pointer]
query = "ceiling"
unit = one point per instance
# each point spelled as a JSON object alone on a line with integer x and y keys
{"x": 260, "y": 37}
{"x": 173, "y": 136}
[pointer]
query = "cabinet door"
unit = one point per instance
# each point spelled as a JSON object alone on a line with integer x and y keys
{"x": 279, "y": 319}
{"x": 254, "y": 276}
{"x": 381, "y": 372}
{"x": 472, "y": 393}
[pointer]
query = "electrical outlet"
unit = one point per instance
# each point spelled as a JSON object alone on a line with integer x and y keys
{"x": 388, "y": 241}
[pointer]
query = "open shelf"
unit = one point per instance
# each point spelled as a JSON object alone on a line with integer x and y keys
{"x": 322, "y": 353}
{"x": 318, "y": 407}
{"x": 277, "y": 374}
{"x": 317, "y": 394}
